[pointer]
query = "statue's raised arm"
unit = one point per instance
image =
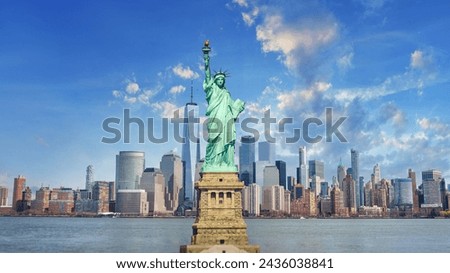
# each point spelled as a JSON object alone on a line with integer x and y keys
{"x": 206, "y": 49}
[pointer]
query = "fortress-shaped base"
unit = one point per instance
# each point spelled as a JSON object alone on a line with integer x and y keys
{"x": 219, "y": 226}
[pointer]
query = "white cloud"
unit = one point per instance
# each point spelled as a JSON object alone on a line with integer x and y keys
{"x": 345, "y": 62}
{"x": 166, "y": 109}
{"x": 132, "y": 88}
{"x": 420, "y": 59}
{"x": 177, "y": 89}
{"x": 295, "y": 98}
{"x": 434, "y": 124}
{"x": 390, "y": 111}
{"x": 130, "y": 100}
{"x": 255, "y": 109}
{"x": 242, "y": 3}
{"x": 145, "y": 96}
{"x": 391, "y": 85}
{"x": 249, "y": 17}
{"x": 117, "y": 94}
{"x": 184, "y": 72}
{"x": 295, "y": 41}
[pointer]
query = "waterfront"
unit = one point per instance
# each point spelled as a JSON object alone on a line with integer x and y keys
{"x": 165, "y": 235}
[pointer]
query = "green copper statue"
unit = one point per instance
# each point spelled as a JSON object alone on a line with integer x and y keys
{"x": 222, "y": 113}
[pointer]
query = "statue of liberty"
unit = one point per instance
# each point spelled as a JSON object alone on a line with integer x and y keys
{"x": 222, "y": 113}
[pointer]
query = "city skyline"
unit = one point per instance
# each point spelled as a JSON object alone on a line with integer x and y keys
{"x": 65, "y": 69}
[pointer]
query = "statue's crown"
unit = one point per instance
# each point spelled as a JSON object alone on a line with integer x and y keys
{"x": 221, "y": 73}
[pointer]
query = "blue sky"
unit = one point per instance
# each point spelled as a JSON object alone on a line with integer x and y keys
{"x": 66, "y": 66}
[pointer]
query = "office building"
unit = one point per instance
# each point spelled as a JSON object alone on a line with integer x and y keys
{"x": 172, "y": 168}
{"x": 359, "y": 193}
{"x": 89, "y": 178}
{"x": 348, "y": 193}
{"x": 266, "y": 151}
{"x": 271, "y": 176}
{"x": 412, "y": 176}
{"x": 129, "y": 169}
{"x": 304, "y": 206}
{"x": 132, "y": 202}
{"x": 316, "y": 168}
{"x": 100, "y": 196}
{"x": 337, "y": 202}
{"x": 3, "y": 196}
{"x": 291, "y": 182}
{"x": 281, "y": 166}
{"x": 274, "y": 199}
{"x": 302, "y": 170}
{"x": 41, "y": 203}
{"x": 190, "y": 150}
{"x": 251, "y": 199}
{"x": 259, "y": 172}
{"x": 376, "y": 178}
{"x": 62, "y": 201}
{"x": 247, "y": 159}
{"x": 324, "y": 189}
{"x": 341, "y": 172}
{"x": 431, "y": 188}
{"x": 403, "y": 194}
{"x": 153, "y": 183}
{"x": 315, "y": 184}
{"x": 19, "y": 187}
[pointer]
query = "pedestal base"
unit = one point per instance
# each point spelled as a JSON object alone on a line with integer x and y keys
{"x": 219, "y": 225}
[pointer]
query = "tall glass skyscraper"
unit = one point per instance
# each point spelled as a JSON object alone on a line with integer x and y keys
{"x": 266, "y": 151}
{"x": 190, "y": 151}
{"x": 172, "y": 168}
{"x": 247, "y": 159}
{"x": 89, "y": 178}
{"x": 302, "y": 170}
{"x": 403, "y": 192}
{"x": 281, "y": 165}
{"x": 341, "y": 173}
{"x": 355, "y": 174}
{"x": 316, "y": 168}
{"x": 129, "y": 168}
{"x": 431, "y": 188}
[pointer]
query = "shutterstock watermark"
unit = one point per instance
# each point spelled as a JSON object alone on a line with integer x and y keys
{"x": 313, "y": 129}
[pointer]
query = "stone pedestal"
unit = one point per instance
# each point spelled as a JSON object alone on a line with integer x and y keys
{"x": 219, "y": 226}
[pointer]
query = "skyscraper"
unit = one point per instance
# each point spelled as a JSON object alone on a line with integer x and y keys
{"x": 271, "y": 176}
{"x": 190, "y": 151}
{"x": 281, "y": 166}
{"x": 316, "y": 168}
{"x": 403, "y": 195}
{"x": 251, "y": 198}
{"x": 431, "y": 188}
{"x": 129, "y": 168}
{"x": 266, "y": 151}
{"x": 19, "y": 187}
{"x": 302, "y": 170}
{"x": 376, "y": 175}
{"x": 348, "y": 192}
{"x": 3, "y": 196}
{"x": 89, "y": 178}
{"x": 172, "y": 168}
{"x": 316, "y": 175}
{"x": 100, "y": 196}
{"x": 341, "y": 173}
{"x": 153, "y": 183}
{"x": 246, "y": 159}
{"x": 355, "y": 174}
{"x": 412, "y": 175}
